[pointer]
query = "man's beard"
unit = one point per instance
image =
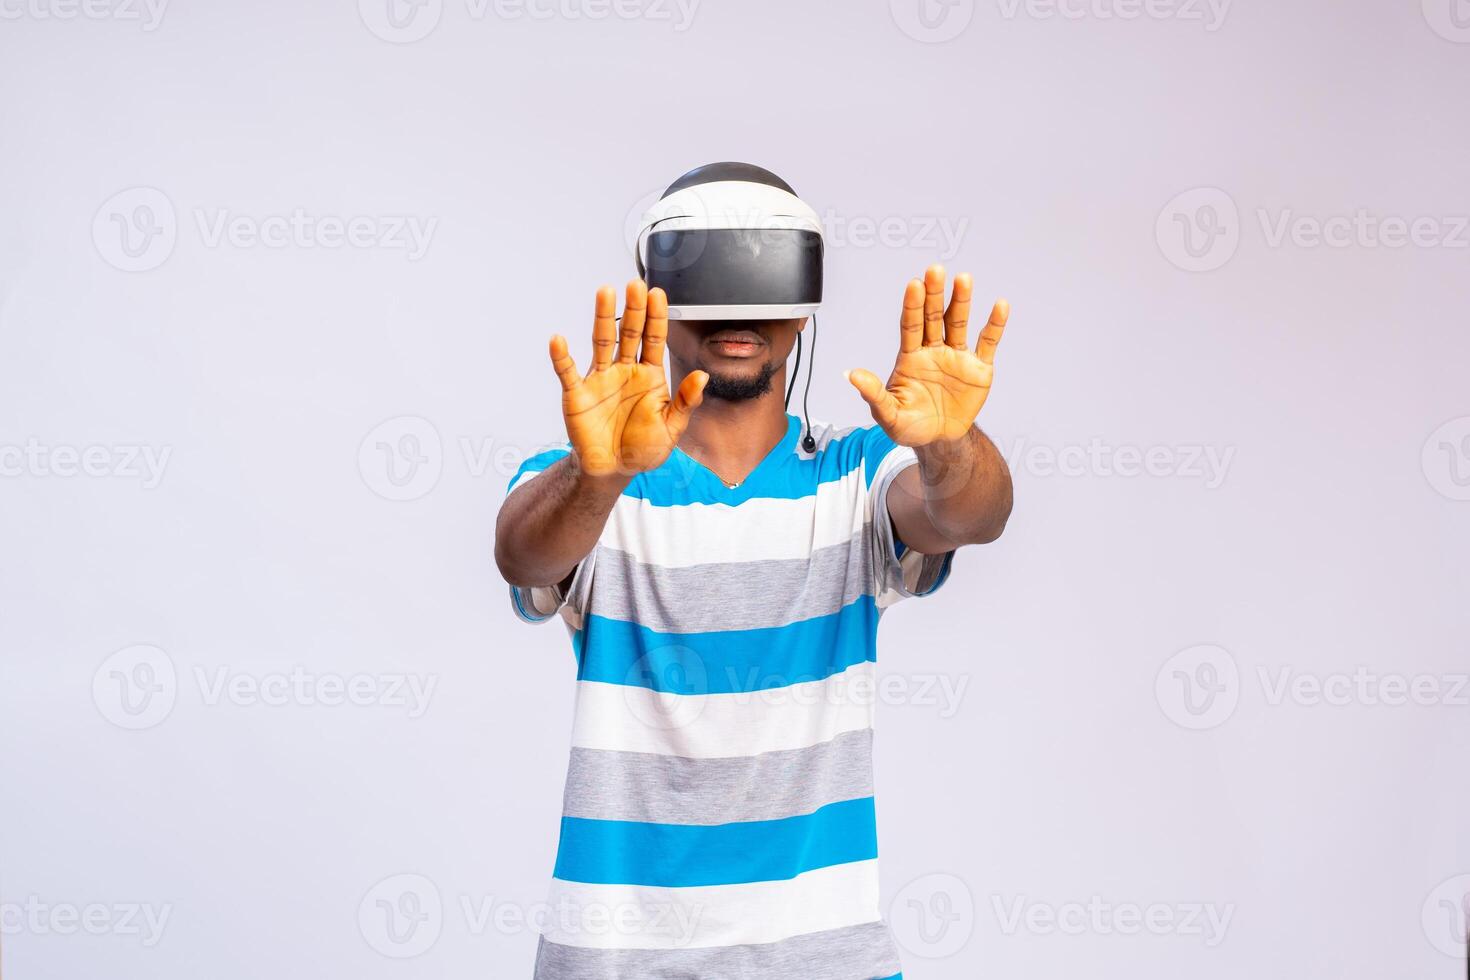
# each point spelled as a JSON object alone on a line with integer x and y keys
{"x": 734, "y": 389}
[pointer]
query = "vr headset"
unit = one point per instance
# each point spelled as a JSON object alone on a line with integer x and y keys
{"x": 732, "y": 241}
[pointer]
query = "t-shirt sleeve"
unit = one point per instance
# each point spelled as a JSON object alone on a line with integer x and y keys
{"x": 538, "y": 604}
{"x": 900, "y": 573}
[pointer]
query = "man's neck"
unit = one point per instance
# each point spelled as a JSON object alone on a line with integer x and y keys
{"x": 732, "y": 437}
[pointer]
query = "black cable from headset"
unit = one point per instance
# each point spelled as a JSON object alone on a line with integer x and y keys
{"x": 795, "y": 370}
{"x": 808, "y": 443}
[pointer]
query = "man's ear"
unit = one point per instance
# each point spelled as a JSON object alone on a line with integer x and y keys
{"x": 801, "y": 324}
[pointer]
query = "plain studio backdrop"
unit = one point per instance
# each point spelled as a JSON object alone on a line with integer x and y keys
{"x": 277, "y": 280}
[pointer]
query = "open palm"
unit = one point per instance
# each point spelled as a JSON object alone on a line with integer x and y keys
{"x": 619, "y": 416}
{"x": 938, "y": 385}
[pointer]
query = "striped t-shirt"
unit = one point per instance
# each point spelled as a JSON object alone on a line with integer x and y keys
{"x": 718, "y": 820}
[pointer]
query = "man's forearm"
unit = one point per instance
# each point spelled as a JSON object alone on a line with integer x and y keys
{"x": 967, "y": 488}
{"x": 960, "y": 493}
{"x": 548, "y": 525}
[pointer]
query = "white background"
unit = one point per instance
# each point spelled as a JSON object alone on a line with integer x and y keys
{"x": 1073, "y": 148}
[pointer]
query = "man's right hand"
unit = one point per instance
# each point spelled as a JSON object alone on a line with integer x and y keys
{"x": 619, "y": 417}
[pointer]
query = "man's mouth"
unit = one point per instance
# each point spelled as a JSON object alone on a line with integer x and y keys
{"x": 735, "y": 343}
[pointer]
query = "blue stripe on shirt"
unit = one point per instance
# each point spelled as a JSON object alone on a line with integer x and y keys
{"x": 621, "y": 852}
{"x": 727, "y": 661}
{"x": 782, "y": 475}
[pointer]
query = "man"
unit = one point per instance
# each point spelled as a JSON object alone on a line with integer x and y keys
{"x": 722, "y": 577}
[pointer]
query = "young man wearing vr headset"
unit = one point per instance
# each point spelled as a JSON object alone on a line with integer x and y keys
{"x": 722, "y": 567}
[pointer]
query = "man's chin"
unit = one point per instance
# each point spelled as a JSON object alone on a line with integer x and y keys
{"x": 736, "y": 386}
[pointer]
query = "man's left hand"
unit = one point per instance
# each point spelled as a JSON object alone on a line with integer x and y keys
{"x": 938, "y": 385}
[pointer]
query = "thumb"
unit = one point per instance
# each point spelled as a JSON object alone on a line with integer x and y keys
{"x": 879, "y": 399}
{"x": 685, "y": 401}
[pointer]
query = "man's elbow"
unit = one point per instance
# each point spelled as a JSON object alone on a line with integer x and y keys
{"x": 526, "y": 574}
{"x": 992, "y": 526}
{"x": 989, "y": 533}
{"x": 509, "y": 559}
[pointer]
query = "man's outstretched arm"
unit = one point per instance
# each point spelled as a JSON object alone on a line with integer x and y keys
{"x": 960, "y": 493}
{"x": 620, "y": 421}
{"x": 547, "y": 526}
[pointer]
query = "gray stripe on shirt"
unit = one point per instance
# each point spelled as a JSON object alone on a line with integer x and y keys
{"x": 863, "y": 952}
{"x": 736, "y": 595}
{"x": 605, "y": 785}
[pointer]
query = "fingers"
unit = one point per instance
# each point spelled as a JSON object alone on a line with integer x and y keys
{"x": 879, "y": 398}
{"x": 656, "y": 330}
{"x": 685, "y": 401}
{"x": 990, "y": 336}
{"x": 911, "y": 321}
{"x": 635, "y": 305}
{"x": 561, "y": 361}
{"x": 934, "y": 305}
{"x": 957, "y": 317}
{"x": 604, "y": 330}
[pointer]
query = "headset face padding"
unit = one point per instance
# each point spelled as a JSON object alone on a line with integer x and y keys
{"x": 731, "y": 241}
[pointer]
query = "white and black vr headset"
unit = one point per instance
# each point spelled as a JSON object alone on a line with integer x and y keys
{"x": 732, "y": 241}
